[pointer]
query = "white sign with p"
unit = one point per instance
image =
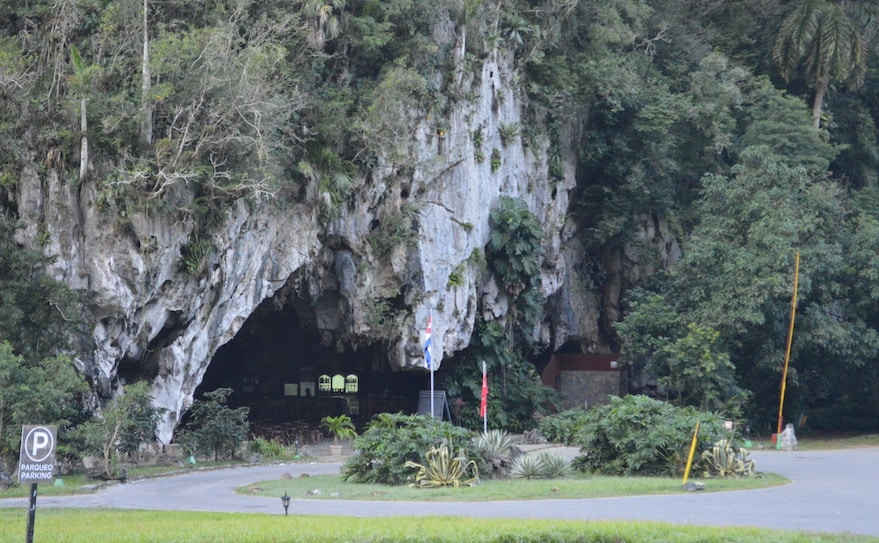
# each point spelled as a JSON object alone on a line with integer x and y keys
{"x": 36, "y": 462}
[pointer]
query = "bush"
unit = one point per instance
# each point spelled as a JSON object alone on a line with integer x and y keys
{"x": 553, "y": 466}
{"x": 562, "y": 427}
{"x": 637, "y": 435}
{"x": 542, "y": 465}
{"x": 267, "y": 449}
{"x": 443, "y": 469}
{"x": 496, "y": 449}
{"x": 726, "y": 459}
{"x": 213, "y": 427}
{"x": 340, "y": 427}
{"x": 526, "y": 466}
{"x": 125, "y": 423}
{"x": 391, "y": 440}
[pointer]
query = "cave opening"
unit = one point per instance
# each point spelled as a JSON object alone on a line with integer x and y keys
{"x": 287, "y": 370}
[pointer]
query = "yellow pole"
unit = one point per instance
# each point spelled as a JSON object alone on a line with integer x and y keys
{"x": 692, "y": 452}
{"x": 790, "y": 338}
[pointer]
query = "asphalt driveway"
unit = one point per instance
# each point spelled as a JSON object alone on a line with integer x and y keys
{"x": 832, "y": 491}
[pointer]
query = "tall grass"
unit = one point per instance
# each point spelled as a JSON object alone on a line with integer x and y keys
{"x": 81, "y": 526}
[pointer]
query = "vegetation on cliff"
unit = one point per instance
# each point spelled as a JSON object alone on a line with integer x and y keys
{"x": 731, "y": 121}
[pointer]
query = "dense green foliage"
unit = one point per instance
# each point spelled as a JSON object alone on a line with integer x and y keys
{"x": 562, "y": 427}
{"x": 390, "y": 441}
{"x": 516, "y": 393}
{"x": 45, "y": 392}
{"x": 691, "y": 120}
{"x": 637, "y": 435}
{"x": 735, "y": 284}
{"x": 123, "y": 425}
{"x": 340, "y": 427}
{"x": 514, "y": 253}
{"x": 214, "y": 428}
{"x": 38, "y": 315}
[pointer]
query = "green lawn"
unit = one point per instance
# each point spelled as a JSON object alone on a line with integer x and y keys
{"x": 579, "y": 486}
{"x": 80, "y": 526}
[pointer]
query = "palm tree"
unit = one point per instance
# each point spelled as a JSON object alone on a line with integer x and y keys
{"x": 325, "y": 18}
{"x": 831, "y": 39}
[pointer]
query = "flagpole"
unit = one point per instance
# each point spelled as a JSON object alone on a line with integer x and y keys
{"x": 485, "y": 411}
{"x": 790, "y": 337}
{"x": 429, "y": 360}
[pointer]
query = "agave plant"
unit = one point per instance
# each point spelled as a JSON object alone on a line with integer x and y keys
{"x": 724, "y": 459}
{"x": 542, "y": 465}
{"x": 527, "y": 466}
{"x": 443, "y": 469}
{"x": 553, "y": 466}
{"x": 496, "y": 447}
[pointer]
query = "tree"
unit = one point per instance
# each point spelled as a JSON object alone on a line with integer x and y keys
{"x": 690, "y": 363}
{"x": 128, "y": 421}
{"x": 39, "y": 313}
{"x": 735, "y": 278}
{"x": 341, "y": 427}
{"x": 831, "y": 38}
{"x": 47, "y": 392}
{"x": 146, "y": 109}
{"x": 325, "y": 19}
{"x": 81, "y": 85}
{"x": 213, "y": 427}
{"x": 781, "y": 122}
{"x": 517, "y": 393}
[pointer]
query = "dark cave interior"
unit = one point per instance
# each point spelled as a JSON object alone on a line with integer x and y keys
{"x": 277, "y": 366}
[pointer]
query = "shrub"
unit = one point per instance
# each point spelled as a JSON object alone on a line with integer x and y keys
{"x": 553, "y": 466}
{"x": 266, "y": 449}
{"x": 443, "y": 469}
{"x": 125, "y": 423}
{"x": 726, "y": 459}
{"x": 496, "y": 449}
{"x": 542, "y": 465}
{"x": 213, "y": 427}
{"x": 637, "y": 435}
{"x": 508, "y": 132}
{"x": 391, "y": 440}
{"x": 562, "y": 427}
{"x": 526, "y": 466}
{"x": 340, "y": 427}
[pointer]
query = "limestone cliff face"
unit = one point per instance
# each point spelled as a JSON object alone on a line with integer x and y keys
{"x": 153, "y": 315}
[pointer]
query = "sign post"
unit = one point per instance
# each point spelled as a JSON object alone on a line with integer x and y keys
{"x": 36, "y": 464}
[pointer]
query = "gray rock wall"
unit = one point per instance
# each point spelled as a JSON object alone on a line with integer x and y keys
{"x": 149, "y": 311}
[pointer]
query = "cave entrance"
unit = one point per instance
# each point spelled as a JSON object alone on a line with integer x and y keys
{"x": 280, "y": 366}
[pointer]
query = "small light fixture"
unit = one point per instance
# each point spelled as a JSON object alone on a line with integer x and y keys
{"x": 285, "y": 501}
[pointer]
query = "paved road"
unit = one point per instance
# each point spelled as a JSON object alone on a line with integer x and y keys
{"x": 832, "y": 491}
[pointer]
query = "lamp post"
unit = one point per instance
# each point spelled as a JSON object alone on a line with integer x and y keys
{"x": 285, "y": 501}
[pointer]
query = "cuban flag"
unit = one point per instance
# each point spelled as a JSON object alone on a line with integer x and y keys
{"x": 427, "y": 342}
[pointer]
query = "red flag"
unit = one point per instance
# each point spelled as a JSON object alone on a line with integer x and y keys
{"x": 483, "y": 405}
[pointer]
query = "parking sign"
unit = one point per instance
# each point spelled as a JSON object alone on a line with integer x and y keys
{"x": 36, "y": 461}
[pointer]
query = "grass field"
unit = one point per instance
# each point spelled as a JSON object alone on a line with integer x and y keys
{"x": 82, "y": 526}
{"x": 579, "y": 486}
{"x": 106, "y": 526}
